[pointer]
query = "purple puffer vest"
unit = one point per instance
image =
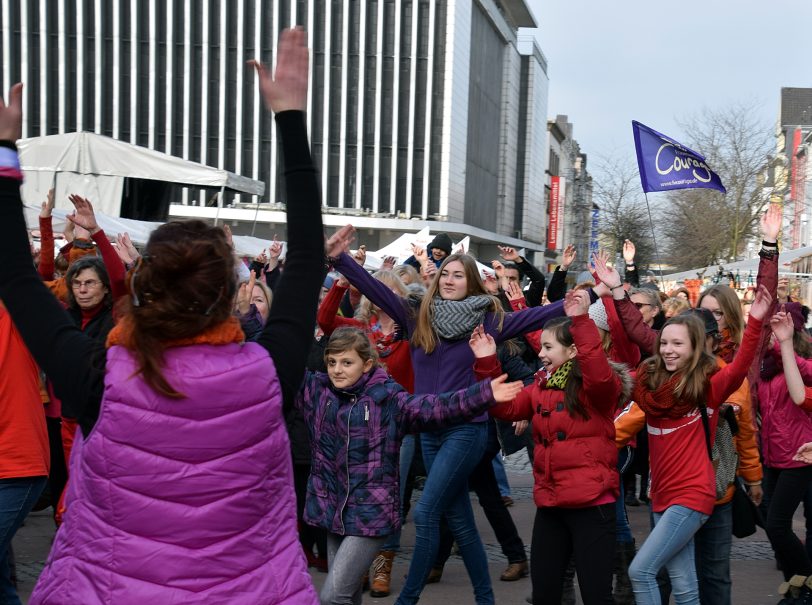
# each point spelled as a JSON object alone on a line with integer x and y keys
{"x": 185, "y": 501}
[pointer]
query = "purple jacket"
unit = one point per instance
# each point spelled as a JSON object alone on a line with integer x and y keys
{"x": 450, "y": 366}
{"x": 186, "y": 501}
{"x": 353, "y": 488}
{"x": 784, "y": 425}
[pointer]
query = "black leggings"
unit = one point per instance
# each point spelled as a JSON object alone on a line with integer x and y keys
{"x": 786, "y": 489}
{"x": 589, "y": 533}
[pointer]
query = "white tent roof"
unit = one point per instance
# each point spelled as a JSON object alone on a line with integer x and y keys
{"x": 93, "y": 154}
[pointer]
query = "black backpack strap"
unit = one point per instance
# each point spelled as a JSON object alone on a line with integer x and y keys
{"x": 706, "y": 425}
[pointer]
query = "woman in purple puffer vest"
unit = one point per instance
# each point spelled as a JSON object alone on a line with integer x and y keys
{"x": 181, "y": 483}
{"x": 357, "y": 417}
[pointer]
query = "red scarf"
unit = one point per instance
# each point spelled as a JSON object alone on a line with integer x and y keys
{"x": 661, "y": 402}
{"x": 727, "y": 348}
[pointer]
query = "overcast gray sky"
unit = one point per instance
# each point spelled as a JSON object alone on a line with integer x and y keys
{"x": 655, "y": 61}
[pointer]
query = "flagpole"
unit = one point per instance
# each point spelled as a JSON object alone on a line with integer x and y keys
{"x": 654, "y": 239}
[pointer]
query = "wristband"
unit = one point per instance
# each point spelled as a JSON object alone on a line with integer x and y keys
{"x": 630, "y": 266}
{"x": 10, "y": 164}
{"x": 615, "y": 287}
{"x": 753, "y": 483}
{"x": 767, "y": 244}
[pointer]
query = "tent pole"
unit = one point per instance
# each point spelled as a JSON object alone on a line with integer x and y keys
{"x": 256, "y": 214}
{"x": 219, "y": 205}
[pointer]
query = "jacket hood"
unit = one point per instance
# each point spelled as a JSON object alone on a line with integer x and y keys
{"x": 626, "y": 381}
{"x": 375, "y": 376}
{"x": 441, "y": 241}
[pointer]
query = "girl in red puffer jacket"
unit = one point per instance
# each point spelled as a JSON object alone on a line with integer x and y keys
{"x": 571, "y": 407}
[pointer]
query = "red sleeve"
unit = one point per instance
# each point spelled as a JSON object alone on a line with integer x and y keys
{"x": 487, "y": 367}
{"x": 638, "y": 332}
{"x": 115, "y": 268}
{"x": 768, "y": 274}
{"x": 807, "y": 403}
{"x": 623, "y": 349}
{"x": 327, "y": 316}
{"x": 533, "y": 338}
{"x": 521, "y": 408}
{"x": 729, "y": 378}
{"x": 601, "y": 386}
{"x": 46, "y": 249}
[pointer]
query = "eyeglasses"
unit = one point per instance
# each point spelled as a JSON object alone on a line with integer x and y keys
{"x": 641, "y": 305}
{"x": 88, "y": 283}
{"x": 717, "y": 313}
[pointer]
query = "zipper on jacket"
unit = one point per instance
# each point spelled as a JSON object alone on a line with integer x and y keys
{"x": 347, "y": 466}
{"x": 366, "y": 412}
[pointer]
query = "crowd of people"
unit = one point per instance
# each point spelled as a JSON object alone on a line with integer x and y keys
{"x": 227, "y": 425}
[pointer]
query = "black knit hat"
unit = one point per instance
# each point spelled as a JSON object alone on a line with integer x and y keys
{"x": 707, "y": 318}
{"x": 441, "y": 241}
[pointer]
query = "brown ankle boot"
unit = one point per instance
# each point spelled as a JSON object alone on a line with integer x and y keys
{"x": 514, "y": 571}
{"x": 381, "y": 574}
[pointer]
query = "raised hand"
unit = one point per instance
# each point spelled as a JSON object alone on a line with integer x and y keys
{"x": 569, "y": 257}
{"x": 83, "y": 215}
{"x": 509, "y": 254}
{"x": 421, "y": 255}
{"x": 47, "y": 205}
{"x": 261, "y": 258}
{"x": 629, "y": 251}
{"x": 608, "y": 275}
{"x": 389, "y": 263}
{"x": 286, "y": 89}
{"x": 68, "y": 231}
{"x": 498, "y": 268}
{"x": 360, "y": 255}
{"x": 576, "y": 302}
{"x": 11, "y": 115}
{"x": 121, "y": 251}
{"x": 761, "y": 304}
{"x": 771, "y": 223}
{"x": 804, "y": 453}
{"x": 229, "y": 236}
{"x": 428, "y": 271}
{"x": 338, "y": 243}
{"x": 505, "y": 391}
{"x": 482, "y": 343}
{"x": 513, "y": 291}
{"x": 125, "y": 241}
{"x": 782, "y": 326}
{"x": 245, "y": 293}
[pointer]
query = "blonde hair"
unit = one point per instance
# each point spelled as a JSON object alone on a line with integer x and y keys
{"x": 693, "y": 382}
{"x": 408, "y": 274}
{"x": 674, "y": 306}
{"x": 392, "y": 281}
{"x": 424, "y": 335}
{"x": 266, "y": 291}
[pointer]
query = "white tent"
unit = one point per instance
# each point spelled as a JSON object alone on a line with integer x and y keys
{"x": 742, "y": 267}
{"x": 95, "y": 166}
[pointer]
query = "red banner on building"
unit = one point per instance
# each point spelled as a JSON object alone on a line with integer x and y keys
{"x": 555, "y": 213}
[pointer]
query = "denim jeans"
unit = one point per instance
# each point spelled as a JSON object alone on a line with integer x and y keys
{"x": 623, "y": 531}
{"x": 450, "y": 455}
{"x": 17, "y": 497}
{"x": 787, "y": 488}
{"x": 348, "y": 559}
{"x": 712, "y": 543}
{"x": 406, "y": 455}
{"x": 501, "y": 476}
{"x": 670, "y": 544}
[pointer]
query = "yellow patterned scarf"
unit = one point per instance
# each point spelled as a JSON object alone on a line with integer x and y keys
{"x": 560, "y": 376}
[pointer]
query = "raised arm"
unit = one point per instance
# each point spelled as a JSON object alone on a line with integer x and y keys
{"x": 783, "y": 328}
{"x": 376, "y": 291}
{"x": 46, "y": 241}
{"x": 73, "y": 362}
{"x": 632, "y": 275}
{"x": 536, "y": 288}
{"x": 327, "y": 317}
{"x": 288, "y": 332}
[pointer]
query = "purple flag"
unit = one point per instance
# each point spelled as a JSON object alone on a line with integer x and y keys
{"x": 666, "y": 164}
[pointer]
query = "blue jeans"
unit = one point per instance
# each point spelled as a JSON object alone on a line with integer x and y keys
{"x": 501, "y": 476}
{"x": 670, "y": 544}
{"x": 449, "y": 455}
{"x": 623, "y": 531}
{"x": 17, "y": 497}
{"x": 713, "y": 542}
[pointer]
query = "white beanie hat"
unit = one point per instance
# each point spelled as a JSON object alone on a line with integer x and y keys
{"x": 597, "y": 313}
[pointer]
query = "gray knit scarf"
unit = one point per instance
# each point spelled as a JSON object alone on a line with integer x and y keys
{"x": 456, "y": 319}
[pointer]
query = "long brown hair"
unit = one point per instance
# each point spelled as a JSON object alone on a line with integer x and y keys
{"x": 559, "y": 328}
{"x": 183, "y": 285}
{"x": 693, "y": 382}
{"x": 424, "y": 335}
{"x": 731, "y": 307}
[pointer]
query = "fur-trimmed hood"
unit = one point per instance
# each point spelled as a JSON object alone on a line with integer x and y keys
{"x": 626, "y": 381}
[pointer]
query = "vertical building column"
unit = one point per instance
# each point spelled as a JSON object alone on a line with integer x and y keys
{"x": 153, "y": 75}
{"x": 343, "y": 117}
{"x": 412, "y": 104}
{"x": 393, "y": 184}
{"x": 117, "y": 42}
{"x": 134, "y": 71}
{"x": 359, "y": 117}
{"x": 169, "y": 123}
{"x": 43, "y": 68}
{"x": 429, "y": 111}
{"x": 376, "y": 162}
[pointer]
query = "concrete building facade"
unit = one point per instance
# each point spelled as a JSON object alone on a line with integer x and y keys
{"x": 421, "y": 112}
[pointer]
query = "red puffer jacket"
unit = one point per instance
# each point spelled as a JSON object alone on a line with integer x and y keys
{"x": 575, "y": 460}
